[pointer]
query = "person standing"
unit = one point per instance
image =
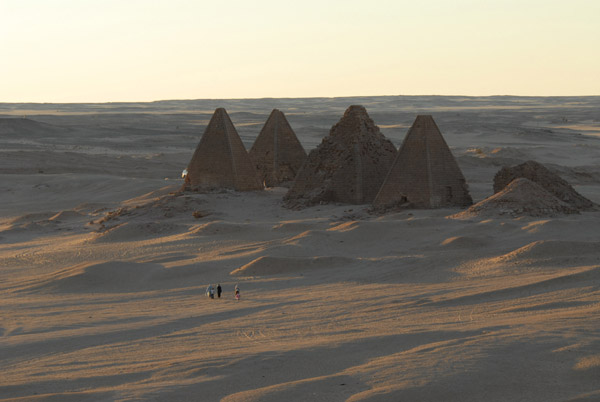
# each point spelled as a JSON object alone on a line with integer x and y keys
{"x": 219, "y": 290}
{"x": 210, "y": 292}
{"x": 237, "y": 292}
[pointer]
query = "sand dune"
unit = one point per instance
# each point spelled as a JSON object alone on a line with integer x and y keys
{"x": 548, "y": 251}
{"x": 129, "y": 231}
{"x": 268, "y": 265}
{"x": 113, "y": 276}
{"x": 104, "y": 264}
{"x": 221, "y": 228}
{"x": 465, "y": 242}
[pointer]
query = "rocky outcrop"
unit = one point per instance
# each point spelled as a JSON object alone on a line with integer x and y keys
{"x": 520, "y": 197}
{"x": 550, "y": 181}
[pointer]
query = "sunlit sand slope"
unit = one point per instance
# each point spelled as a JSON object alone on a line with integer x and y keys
{"x": 103, "y": 270}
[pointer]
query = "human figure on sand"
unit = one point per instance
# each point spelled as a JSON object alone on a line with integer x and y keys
{"x": 210, "y": 291}
{"x": 219, "y": 290}
{"x": 237, "y": 292}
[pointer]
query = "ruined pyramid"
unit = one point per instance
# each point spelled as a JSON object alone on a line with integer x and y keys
{"x": 550, "y": 181}
{"x": 425, "y": 173}
{"x": 348, "y": 166}
{"x": 277, "y": 153}
{"x": 520, "y": 197}
{"x": 220, "y": 160}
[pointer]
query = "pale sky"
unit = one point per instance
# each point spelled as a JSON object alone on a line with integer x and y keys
{"x": 144, "y": 50}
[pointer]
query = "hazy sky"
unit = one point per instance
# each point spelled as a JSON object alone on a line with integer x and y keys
{"x": 141, "y": 50}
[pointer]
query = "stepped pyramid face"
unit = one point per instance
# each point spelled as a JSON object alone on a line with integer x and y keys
{"x": 424, "y": 174}
{"x": 348, "y": 166}
{"x": 277, "y": 153}
{"x": 220, "y": 159}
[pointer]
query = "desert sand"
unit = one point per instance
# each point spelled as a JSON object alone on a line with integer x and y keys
{"x": 103, "y": 265}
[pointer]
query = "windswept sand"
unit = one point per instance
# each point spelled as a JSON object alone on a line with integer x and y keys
{"x": 103, "y": 269}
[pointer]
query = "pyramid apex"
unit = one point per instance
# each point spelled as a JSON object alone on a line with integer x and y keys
{"x": 358, "y": 112}
{"x": 354, "y": 123}
{"x": 424, "y": 122}
{"x": 356, "y": 109}
{"x": 220, "y": 115}
{"x": 423, "y": 119}
{"x": 275, "y": 112}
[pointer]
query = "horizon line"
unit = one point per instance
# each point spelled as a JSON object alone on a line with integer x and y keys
{"x": 297, "y": 97}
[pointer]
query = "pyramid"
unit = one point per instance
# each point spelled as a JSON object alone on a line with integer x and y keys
{"x": 425, "y": 173}
{"x": 348, "y": 166}
{"x": 553, "y": 183}
{"x": 277, "y": 153}
{"x": 520, "y": 197}
{"x": 220, "y": 160}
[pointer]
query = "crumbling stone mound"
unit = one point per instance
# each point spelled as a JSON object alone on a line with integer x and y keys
{"x": 348, "y": 166}
{"x": 155, "y": 209}
{"x": 521, "y": 197}
{"x": 553, "y": 183}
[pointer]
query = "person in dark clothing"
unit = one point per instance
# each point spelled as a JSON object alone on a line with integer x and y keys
{"x": 219, "y": 290}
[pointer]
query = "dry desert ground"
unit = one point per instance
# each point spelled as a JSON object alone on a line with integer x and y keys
{"x": 103, "y": 266}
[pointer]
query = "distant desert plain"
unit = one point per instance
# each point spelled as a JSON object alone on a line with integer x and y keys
{"x": 104, "y": 264}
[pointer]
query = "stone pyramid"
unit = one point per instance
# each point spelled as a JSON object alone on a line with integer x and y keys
{"x": 552, "y": 182}
{"x": 220, "y": 160}
{"x": 520, "y": 197}
{"x": 348, "y": 166}
{"x": 277, "y": 153}
{"x": 425, "y": 173}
